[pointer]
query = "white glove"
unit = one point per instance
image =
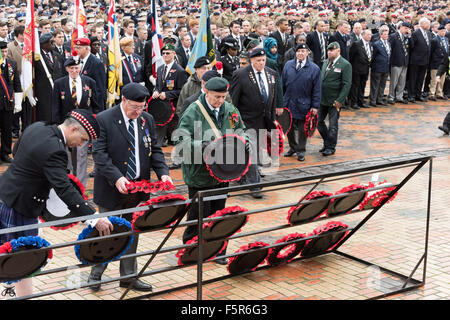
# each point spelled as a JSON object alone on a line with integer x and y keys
{"x": 153, "y": 80}
{"x": 18, "y": 96}
{"x": 33, "y": 101}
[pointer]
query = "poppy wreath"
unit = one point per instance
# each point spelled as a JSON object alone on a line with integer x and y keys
{"x": 310, "y": 124}
{"x": 312, "y": 196}
{"x": 248, "y": 247}
{"x": 183, "y": 251}
{"x": 226, "y": 212}
{"x": 171, "y": 116}
{"x": 375, "y": 199}
{"x": 29, "y": 242}
{"x": 280, "y": 135}
{"x": 275, "y": 258}
{"x": 149, "y": 187}
{"x": 329, "y": 226}
{"x": 86, "y": 232}
{"x": 348, "y": 189}
{"x": 160, "y": 199}
{"x": 208, "y": 167}
{"x": 82, "y": 189}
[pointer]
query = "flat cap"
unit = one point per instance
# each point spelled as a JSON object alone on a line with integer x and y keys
{"x": 45, "y": 37}
{"x": 135, "y": 92}
{"x": 257, "y": 53}
{"x": 334, "y": 45}
{"x": 202, "y": 61}
{"x": 217, "y": 84}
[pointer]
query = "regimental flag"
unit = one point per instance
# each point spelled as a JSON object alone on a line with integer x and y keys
{"x": 203, "y": 45}
{"x": 79, "y": 21}
{"x": 157, "y": 41}
{"x": 31, "y": 48}
{"x": 114, "y": 56}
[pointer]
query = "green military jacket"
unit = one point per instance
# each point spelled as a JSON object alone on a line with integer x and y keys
{"x": 336, "y": 82}
{"x": 193, "y": 129}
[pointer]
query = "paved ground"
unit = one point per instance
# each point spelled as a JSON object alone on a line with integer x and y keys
{"x": 393, "y": 238}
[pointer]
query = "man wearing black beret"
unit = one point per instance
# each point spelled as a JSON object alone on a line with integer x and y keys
{"x": 40, "y": 163}
{"x": 127, "y": 150}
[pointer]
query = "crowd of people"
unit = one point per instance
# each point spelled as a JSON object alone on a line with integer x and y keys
{"x": 311, "y": 59}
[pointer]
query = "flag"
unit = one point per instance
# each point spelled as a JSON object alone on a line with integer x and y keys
{"x": 157, "y": 42}
{"x": 31, "y": 48}
{"x": 114, "y": 56}
{"x": 203, "y": 45}
{"x": 79, "y": 21}
{"x": 1, "y": 61}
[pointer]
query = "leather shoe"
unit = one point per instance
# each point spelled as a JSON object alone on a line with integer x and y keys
{"x": 256, "y": 194}
{"x": 401, "y": 101}
{"x": 432, "y": 98}
{"x": 300, "y": 157}
{"x": 222, "y": 261}
{"x": 444, "y": 128}
{"x": 365, "y": 105}
{"x": 390, "y": 101}
{"x": 290, "y": 153}
{"x": 138, "y": 285}
{"x": 423, "y": 99}
{"x": 328, "y": 152}
{"x": 6, "y": 159}
{"x": 355, "y": 106}
{"x": 382, "y": 103}
{"x": 442, "y": 97}
{"x": 322, "y": 149}
{"x": 411, "y": 99}
{"x": 94, "y": 278}
{"x": 174, "y": 166}
{"x": 372, "y": 104}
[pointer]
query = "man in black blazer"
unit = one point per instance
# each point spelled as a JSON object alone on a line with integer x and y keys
{"x": 92, "y": 67}
{"x": 253, "y": 92}
{"x": 342, "y": 37}
{"x": 184, "y": 50}
{"x": 282, "y": 37}
{"x": 399, "y": 42}
{"x": 126, "y": 150}
{"x": 439, "y": 48}
{"x": 318, "y": 43}
{"x": 170, "y": 78}
{"x": 74, "y": 92}
{"x": 360, "y": 57}
{"x": 420, "y": 46}
{"x": 40, "y": 163}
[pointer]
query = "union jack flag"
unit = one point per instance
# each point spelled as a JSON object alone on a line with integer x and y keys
{"x": 157, "y": 41}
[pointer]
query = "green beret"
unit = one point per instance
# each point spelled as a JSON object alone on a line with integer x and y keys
{"x": 168, "y": 46}
{"x": 334, "y": 45}
{"x": 217, "y": 84}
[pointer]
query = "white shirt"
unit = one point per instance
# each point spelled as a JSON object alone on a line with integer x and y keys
{"x": 78, "y": 88}
{"x": 169, "y": 66}
{"x": 264, "y": 78}
{"x": 83, "y": 61}
{"x": 212, "y": 109}
{"x": 301, "y": 63}
{"x": 136, "y": 142}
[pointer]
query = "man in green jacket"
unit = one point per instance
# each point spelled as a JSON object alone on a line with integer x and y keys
{"x": 194, "y": 134}
{"x": 336, "y": 84}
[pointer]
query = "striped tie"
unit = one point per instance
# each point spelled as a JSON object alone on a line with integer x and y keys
{"x": 74, "y": 93}
{"x": 131, "y": 167}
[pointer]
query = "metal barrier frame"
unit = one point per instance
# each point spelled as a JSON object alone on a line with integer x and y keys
{"x": 316, "y": 179}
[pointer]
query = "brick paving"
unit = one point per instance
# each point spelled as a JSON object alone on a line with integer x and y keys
{"x": 393, "y": 238}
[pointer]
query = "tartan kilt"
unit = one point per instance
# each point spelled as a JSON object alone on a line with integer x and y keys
{"x": 9, "y": 219}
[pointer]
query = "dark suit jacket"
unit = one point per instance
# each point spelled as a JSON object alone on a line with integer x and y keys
{"x": 437, "y": 52}
{"x": 62, "y": 102}
{"x": 11, "y": 78}
{"x": 399, "y": 50}
{"x": 344, "y": 42}
{"x": 380, "y": 58}
{"x": 40, "y": 163}
{"x": 110, "y": 154}
{"x": 148, "y": 65}
{"x": 182, "y": 58}
{"x": 312, "y": 40}
{"x": 95, "y": 69}
{"x": 175, "y": 80}
{"x": 419, "y": 50}
{"x": 129, "y": 74}
{"x": 246, "y": 96}
{"x": 358, "y": 57}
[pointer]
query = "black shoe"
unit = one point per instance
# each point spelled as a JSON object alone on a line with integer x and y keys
{"x": 432, "y": 98}
{"x": 92, "y": 174}
{"x": 328, "y": 152}
{"x": 372, "y": 104}
{"x": 345, "y": 107}
{"x": 322, "y": 149}
{"x": 381, "y": 103}
{"x": 411, "y": 99}
{"x": 365, "y": 105}
{"x": 138, "y": 285}
{"x": 422, "y": 99}
{"x": 290, "y": 153}
{"x": 222, "y": 261}
{"x": 442, "y": 97}
{"x": 391, "y": 101}
{"x": 401, "y": 101}
{"x": 300, "y": 157}
{"x": 174, "y": 166}
{"x": 15, "y": 135}
{"x": 6, "y": 159}
{"x": 94, "y": 278}
{"x": 355, "y": 106}
{"x": 444, "y": 128}
{"x": 256, "y": 194}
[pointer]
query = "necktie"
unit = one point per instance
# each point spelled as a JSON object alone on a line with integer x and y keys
{"x": 74, "y": 93}
{"x": 388, "y": 51}
{"x": 216, "y": 114}
{"x": 49, "y": 57}
{"x": 187, "y": 54}
{"x": 164, "y": 74}
{"x": 426, "y": 38}
{"x": 131, "y": 166}
{"x": 366, "y": 45}
{"x": 262, "y": 87}
{"x": 130, "y": 62}
{"x": 322, "y": 47}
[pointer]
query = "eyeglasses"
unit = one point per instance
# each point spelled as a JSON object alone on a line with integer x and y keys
{"x": 136, "y": 108}
{"x": 166, "y": 53}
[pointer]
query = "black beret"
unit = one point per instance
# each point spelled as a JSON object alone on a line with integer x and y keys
{"x": 87, "y": 120}
{"x": 301, "y": 46}
{"x": 406, "y": 24}
{"x": 210, "y": 74}
{"x": 257, "y": 53}
{"x": 3, "y": 44}
{"x": 217, "y": 84}
{"x": 202, "y": 61}
{"x": 135, "y": 92}
{"x": 441, "y": 27}
{"x": 71, "y": 61}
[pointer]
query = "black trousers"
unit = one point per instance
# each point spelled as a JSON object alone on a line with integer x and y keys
{"x": 416, "y": 79}
{"x": 127, "y": 266}
{"x": 358, "y": 87}
{"x": 447, "y": 120}
{"x": 209, "y": 208}
{"x": 6, "y": 132}
{"x": 296, "y": 136}
{"x": 25, "y": 117}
